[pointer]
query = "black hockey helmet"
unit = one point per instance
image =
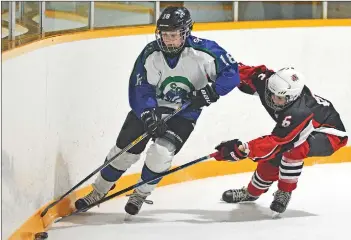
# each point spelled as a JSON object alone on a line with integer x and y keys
{"x": 178, "y": 21}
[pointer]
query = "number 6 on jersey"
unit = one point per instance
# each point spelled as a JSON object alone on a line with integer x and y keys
{"x": 286, "y": 122}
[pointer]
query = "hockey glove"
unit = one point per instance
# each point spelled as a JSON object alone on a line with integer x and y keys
{"x": 230, "y": 151}
{"x": 202, "y": 97}
{"x": 261, "y": 73}
{"x": 153, "y": 123}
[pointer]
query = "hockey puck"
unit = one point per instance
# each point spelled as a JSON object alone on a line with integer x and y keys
{"x": 41, "y": 235}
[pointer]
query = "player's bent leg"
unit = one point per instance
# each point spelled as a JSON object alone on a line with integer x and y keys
{"x": 108, "y": 176}
{"x": 266, "y": 173}
{"x": 289, "y": 172}
{"x": 317, "y": 144}
{"x": 322, "y": 144}
{"x": 112, "y": 172}
{"x": 158, "y": 159}
{"x": 131, "y": 129}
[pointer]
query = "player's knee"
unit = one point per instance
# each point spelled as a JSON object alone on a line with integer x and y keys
{"x": 124, "y": 161}
{"x": 266, "y": 171}
{"x": 136, "y": 149}
{"x": 174, "y": 139}
{"x": 159, "y": 156}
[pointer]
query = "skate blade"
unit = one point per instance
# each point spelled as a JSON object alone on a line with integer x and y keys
{"x": 128, "y": 217}
{"x": 58, "y": 220}
{"x": 222, "y": 201}
{"x": 244, "y": 202}
{"x": 275, "y": 215}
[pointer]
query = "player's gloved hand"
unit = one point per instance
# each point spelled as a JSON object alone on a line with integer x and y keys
{"x": 230, "y": 151}
{"x": 262, "y": 73}
{"x": 202, "y": 97}
{"x": 153, "y": 123}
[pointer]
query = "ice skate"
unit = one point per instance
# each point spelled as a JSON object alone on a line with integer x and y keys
{"x": 280, "y": 202}
{"x": 238, "y": 195}
{"x": 135, "y": 201}
{"x": 89, "y": 199}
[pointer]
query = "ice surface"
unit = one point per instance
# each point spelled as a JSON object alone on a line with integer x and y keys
{"x": 319, "y": 209}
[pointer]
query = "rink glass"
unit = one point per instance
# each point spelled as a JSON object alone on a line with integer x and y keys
{"x": 25, "y": 22}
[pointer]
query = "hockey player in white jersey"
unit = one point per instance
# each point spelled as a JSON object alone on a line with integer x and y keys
{"x": 174, "y": 68}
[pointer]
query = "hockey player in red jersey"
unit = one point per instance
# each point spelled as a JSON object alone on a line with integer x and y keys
{"x": 306, "y": 125}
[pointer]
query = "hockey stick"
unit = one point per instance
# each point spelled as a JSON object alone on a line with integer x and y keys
{"x": 139, "y": 184}
{"x": 132, "y": 144}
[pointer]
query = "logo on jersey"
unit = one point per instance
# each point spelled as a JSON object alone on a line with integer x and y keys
{"x": 262, "y": 76}
{"x": 197, "y": 40}
{"x": 175, "y": 89}
{"x": 139, "y": 78}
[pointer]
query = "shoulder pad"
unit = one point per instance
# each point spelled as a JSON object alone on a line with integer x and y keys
{"x": 197, "y": 42}
{"x": 150, "y": 48}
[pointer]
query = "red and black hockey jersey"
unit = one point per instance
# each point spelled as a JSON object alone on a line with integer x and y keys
{"x": 293, "y": 124}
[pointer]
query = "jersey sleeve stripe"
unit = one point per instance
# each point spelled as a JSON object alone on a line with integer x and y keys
{"x": 304, "y": 134}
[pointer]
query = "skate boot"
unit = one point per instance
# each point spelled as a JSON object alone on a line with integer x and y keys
{"x": 135, "y": 201}
{"x": 89, "y": 199}
{"x": 280, "y": 202}
{"x": 238, "y": 195}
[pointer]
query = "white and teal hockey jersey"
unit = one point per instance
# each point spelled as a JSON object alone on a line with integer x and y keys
{"x": 161, "y": 81}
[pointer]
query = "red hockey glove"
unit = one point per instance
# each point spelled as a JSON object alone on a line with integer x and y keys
{"x": 230, "y": 151}
{"x": 250, "y": 74}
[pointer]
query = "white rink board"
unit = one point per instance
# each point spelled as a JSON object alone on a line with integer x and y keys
{"x": 63, "y": 105}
